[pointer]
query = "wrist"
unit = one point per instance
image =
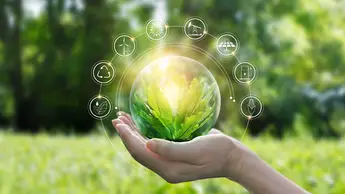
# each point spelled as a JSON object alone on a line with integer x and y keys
{"x": 241, "y": 161}
{"x": 250, "y": 171}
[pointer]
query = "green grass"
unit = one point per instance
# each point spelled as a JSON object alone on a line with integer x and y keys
{"x": 73, "y": 165}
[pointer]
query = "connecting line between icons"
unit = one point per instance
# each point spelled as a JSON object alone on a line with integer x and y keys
{"x": 238, "y": 60}
{"x": 100, "y": 90}
{"x": 112, "y": 59}
{"x": 141, "y": 34}
{"x": 212, "y": 36}
{"x": 175, "y": 26}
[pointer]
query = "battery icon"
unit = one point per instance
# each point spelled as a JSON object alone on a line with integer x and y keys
{"x": 246, "y": 73}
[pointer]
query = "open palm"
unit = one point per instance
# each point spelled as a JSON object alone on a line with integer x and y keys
{"x": 203, "y": 157}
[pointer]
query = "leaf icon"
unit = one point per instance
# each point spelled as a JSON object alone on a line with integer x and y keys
{"x": 100, "y": 108}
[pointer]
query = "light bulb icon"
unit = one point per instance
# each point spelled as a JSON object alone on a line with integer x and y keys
{"x": 251, "y": 106}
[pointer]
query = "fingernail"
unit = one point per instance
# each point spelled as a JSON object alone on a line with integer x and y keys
{"x": 116, "y": 121}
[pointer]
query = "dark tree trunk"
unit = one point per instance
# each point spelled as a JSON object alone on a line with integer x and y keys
{"x": 3, "y": 21}
{"x": 16, "y": 63}
{"x": 4, "y": 40}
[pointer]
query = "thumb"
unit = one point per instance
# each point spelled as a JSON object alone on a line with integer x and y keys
{"x": 178, "y": 151}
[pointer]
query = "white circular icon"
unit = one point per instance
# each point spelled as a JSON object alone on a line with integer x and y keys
{"x": 245, "y": 72}
{"x": 156, "y": 29}
{"x": 227, "y": 45}
{"x": 99, "y": 107}
{"x": 124, "y": 45}
{"x": 251, "y": 107}
{"x": 103, "y": 72}
{"x": 195, "y": 29}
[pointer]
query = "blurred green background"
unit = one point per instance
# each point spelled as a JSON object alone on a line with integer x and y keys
{"x": 50, "y": 144}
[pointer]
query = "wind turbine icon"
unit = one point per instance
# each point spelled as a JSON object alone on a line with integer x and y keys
{"x": 124, "y": 46}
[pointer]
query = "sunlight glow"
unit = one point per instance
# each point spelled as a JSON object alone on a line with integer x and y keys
{"x": 164, "y": 64}
{"x": 171, "y": 93}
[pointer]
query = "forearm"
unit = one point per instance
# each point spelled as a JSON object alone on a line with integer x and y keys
{"x": 259, "y": 178}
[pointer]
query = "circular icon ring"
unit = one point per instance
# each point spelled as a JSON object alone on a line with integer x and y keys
{"x": 227, "y": 45}
{"x": 103, "y": 72}
{"x": 252, "y": 111}
{"x": 99, "y": 107}
{"x": 124, "y": 45}
{"x": 195, "y": 28}
{"x": 245, "y": 73}
{"x": 156, "y": 29}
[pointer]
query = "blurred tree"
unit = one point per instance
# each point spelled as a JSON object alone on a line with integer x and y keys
{"x": 59, "y": 48}
{"x": 16, "y": 62}
{"x": 4, "y": 78}
{"x": 12, "y": 63}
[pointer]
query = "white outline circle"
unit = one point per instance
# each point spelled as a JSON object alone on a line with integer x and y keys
{"x": 90, "y": 108}
{"x": 236, "y": 41}
{"x": 245, "y": 82}
{"x": 122, "y": 36}
{"x": 251, "y": 117}
{"x": 94, "y": 68}
{"x": 200, "y": 20}
{"x": 160, "y": 21}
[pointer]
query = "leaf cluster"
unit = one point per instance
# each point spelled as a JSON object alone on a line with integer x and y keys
{"x": 189, "y": 116}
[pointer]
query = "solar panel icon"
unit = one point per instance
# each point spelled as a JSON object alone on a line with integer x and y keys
{"x": 226, "y": 44}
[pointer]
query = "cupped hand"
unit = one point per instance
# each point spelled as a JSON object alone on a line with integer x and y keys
{"x": 209, "y": 156}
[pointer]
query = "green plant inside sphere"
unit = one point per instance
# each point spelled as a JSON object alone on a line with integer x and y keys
{"x": 175, "y": 98}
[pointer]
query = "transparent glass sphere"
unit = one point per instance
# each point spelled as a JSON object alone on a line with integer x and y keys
{"x": 175, "y": 98}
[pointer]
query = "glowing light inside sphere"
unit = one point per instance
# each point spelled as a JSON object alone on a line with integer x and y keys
{"x": 175, "y": 98}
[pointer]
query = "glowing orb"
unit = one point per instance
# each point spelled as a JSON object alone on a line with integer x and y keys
{"x": 175, "y": 98}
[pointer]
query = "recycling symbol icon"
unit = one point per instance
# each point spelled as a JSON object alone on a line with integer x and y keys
{"x": 103, "y": 72}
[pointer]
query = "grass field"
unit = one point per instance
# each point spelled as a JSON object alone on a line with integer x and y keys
{"x": 73, "y": 165}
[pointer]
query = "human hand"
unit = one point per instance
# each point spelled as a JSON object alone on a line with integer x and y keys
{"x": 209, "y": 156}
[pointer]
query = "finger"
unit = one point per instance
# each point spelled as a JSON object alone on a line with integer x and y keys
{"x": 138, "y": 150}
{"x": 215, "y": 131}
{"x": 128, "y": 117}
{"x": 135, "y": 132}
{"x": 183, "y": 151}
{"x": 116, "y": 121}
{"x": 132, "y": 127}
{"x": 128, "y": 122}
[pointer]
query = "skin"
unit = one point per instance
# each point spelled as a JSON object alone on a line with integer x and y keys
{"x": 210, "y": 156}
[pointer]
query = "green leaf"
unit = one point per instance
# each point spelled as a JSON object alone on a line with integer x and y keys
{"x": 195, "y": 109}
